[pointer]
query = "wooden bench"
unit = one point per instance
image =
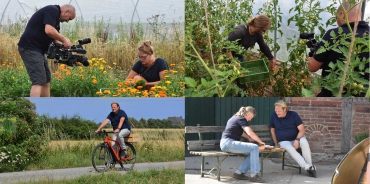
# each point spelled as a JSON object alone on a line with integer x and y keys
{"x": 211, "y": 148}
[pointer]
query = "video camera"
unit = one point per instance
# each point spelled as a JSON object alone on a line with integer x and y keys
{"x": 311, "y": 43}
{"x": 65, "y": 56}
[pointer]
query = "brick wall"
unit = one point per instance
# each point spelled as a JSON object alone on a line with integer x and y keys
{"x": 360, "y": 118}
{"x": 322, "y": 118}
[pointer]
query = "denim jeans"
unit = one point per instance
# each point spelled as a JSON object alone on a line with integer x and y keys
{"x": 121, "y": 138}
{"x": 251, "y": 161}
{"x": 304, "y": 160}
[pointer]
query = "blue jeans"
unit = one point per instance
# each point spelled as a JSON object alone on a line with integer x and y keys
{"x": 251, "y": 161}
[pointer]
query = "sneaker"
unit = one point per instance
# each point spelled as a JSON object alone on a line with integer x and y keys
{"x": 257, "y": 179}
{"x": 312, "y": 171}
{"x": 123, "y": 154}
{"x": 240, "y": 176}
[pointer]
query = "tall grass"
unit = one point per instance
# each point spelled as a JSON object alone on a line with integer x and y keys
{"x": 155, "y": 145}
{"x": 116, "y": 43}
{"x": 111, "y": 54}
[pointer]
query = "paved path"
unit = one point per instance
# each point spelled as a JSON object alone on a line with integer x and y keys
{"x": 272, "y": 172}
{"x": 57, "y": 174}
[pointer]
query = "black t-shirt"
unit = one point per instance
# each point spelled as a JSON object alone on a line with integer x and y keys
{"x": 115, "y": 118}
{"x": 333, "y": 56}
{"x": 34, "y": 37}
{"x": 152, "y": 74}
{"x": 234, "y": 127}
{"x": 247, "y": 40}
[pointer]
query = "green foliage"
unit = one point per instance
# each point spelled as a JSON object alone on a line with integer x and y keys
{"x": 206, "y": 34}
{"x": 350, "y": 80}
{"x": 20, "y": 142}
{"x": 361, "y": 136}
{"x": 72, "y": 128}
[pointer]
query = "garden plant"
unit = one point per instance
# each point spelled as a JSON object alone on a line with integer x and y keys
{"x": 209, "y": 72}
{"x": 111, "y": 53}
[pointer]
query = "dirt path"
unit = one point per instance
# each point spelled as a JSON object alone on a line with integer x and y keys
{"x": 57, "y": 174}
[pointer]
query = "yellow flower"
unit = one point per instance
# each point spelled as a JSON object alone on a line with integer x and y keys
{"x": 168, "y": 82}
{"x": 111, "y": 84}
{"x": 99, "y": 93}
{"x": 93, "y": 77}
{"x": 93, "y": 59}
{"x": 157, "y": 95}
{"x": 105, "y": 72}
{"x": 101, "y": 59}
{"x": 114, "y": 63}
{"x": 166, "y": 76}
{"x": 101, "y": 67}
{"x": 174, "y": 95}
{"x": 173, "y": 71}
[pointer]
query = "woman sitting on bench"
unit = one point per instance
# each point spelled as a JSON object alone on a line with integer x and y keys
{"x": 238, "y": 126}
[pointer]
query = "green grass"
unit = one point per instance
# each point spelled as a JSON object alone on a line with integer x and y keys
{"x": 173, "y": 176}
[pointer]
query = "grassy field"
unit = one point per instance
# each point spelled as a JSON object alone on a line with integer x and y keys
{"x": 171, "y": 176}
{"x": 153, "y": 145}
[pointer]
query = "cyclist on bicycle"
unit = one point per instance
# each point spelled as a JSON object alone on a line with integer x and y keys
{"x": 121, "y": 126}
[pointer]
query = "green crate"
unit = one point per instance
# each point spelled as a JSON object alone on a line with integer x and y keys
{"x": 258, "y": 71}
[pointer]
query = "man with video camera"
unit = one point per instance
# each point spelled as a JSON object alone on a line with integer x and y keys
{"x": 322, "y": 60}
{"x": 41, "y": 30}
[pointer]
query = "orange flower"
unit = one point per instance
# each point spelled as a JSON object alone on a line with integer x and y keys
{"x": 107, "y": 91}
{"x": 99, "y": 93}
{"x": 172, "y": 64}
{"x": 139, "y": 87}
{"x": 62, "y": 67}
{"x": 60, "y": 77}
{"x": 152, "y": 89}
{"x": 82, "y": 77}
{"x": 56, "y": 72}
{"x": 119, "y": 84}
{"x": 123, "y": 90}
{"x": 94, "y": 81}
{"x": 68, "y": 73}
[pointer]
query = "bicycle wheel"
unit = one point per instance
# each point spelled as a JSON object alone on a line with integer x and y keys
{"x": 128, "y": 163}
{"x": 102, "y": 158}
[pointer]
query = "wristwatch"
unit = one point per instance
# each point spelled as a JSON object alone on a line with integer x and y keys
{"x": 298, "y": 139}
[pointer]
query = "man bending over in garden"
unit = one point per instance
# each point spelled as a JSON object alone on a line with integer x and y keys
{"x": 120, "y": 124}
{"x": 287, "y": 131}
{"x": 322, "y": 60}
{"x": 42, "y": 29}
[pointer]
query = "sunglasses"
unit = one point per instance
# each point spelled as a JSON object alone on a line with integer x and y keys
{"x": 142, "y": 57}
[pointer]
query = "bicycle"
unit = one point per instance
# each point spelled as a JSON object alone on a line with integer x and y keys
{"x": 105, "y": 157}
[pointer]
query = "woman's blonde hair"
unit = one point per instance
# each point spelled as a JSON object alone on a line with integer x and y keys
{"x": 243, "y": 110}
{"x": 282, "y": 104}
{"x": 259, "y": 21}
{"x": 146, "y": 47}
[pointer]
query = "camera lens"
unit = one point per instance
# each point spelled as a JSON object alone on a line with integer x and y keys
{"x": 84, "y": 41}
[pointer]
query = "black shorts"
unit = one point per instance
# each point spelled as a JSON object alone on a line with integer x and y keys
{"x": 36, "y": 65}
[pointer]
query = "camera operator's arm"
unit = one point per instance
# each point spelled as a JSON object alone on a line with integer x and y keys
{"x": 53, "y": 33}
{"x": 314, "y": 65}
{"x": 105, "y": 122}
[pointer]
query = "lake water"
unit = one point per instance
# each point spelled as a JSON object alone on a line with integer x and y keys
{"x": 88, "y": 10}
